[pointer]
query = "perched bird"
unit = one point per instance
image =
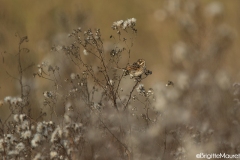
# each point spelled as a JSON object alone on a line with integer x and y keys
{"x": 136, "y": 69}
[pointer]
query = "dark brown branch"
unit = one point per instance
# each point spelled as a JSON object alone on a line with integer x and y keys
{"x": 130, "y": 96}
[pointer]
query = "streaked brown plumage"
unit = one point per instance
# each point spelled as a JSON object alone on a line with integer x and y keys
{"x": 136, "y": 69}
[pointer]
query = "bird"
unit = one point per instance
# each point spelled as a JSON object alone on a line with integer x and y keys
{"x": 136, "y": 69}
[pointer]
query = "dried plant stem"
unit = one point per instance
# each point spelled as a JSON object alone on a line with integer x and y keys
{"x": 124, "y": 145}
{"x": 20, "y": 69}
{"x": 130, "y": 96}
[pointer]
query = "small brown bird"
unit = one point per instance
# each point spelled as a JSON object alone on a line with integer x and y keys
{"x": 136, "y": 69}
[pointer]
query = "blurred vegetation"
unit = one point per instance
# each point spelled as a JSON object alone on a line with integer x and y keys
{"x": 192, "y": 43}
{"x": 43, "y": 21}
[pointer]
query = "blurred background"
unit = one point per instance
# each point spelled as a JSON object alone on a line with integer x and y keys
{"x": 195, "y": 44}
{"x": 47, "y": 23}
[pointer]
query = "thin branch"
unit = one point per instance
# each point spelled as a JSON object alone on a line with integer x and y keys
{"x": 29, "y": 66}
{"x": 20, "y": 70}
{"x": 130, "y": 96}
{"x": 11, "y": 76}
{"x": 124, "y": 145}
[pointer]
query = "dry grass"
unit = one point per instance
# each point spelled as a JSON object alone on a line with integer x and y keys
{"x": 79, "y": 106}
